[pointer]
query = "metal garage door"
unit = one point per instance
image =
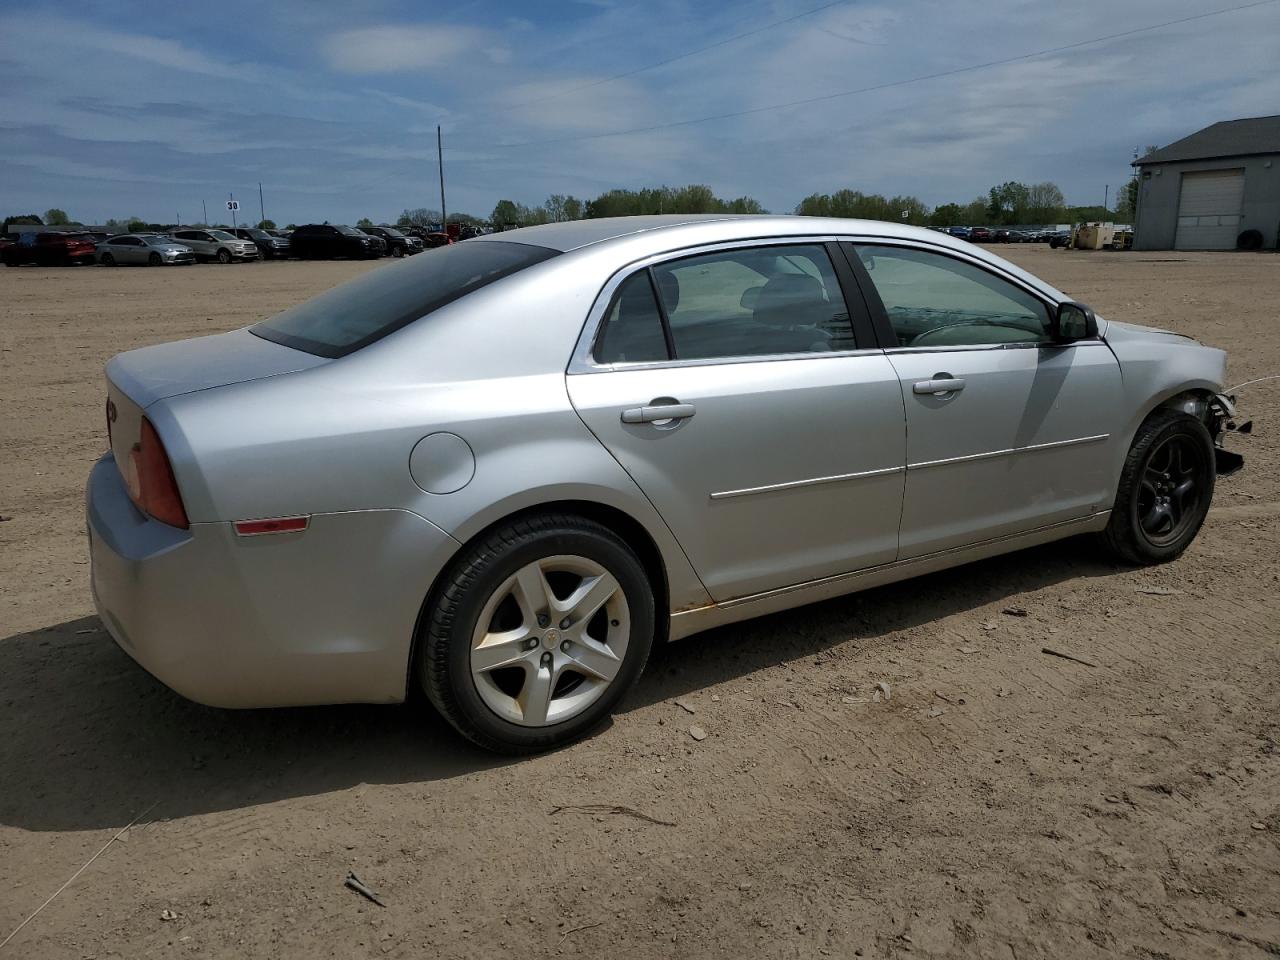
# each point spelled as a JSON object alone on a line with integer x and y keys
{"x": 1209, "y": 210}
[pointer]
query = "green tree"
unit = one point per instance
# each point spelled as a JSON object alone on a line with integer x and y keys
{"x": 364, "y": 222}
{"x": 23, "y": 218}
{"x": 508, "y": 213}
{"x": 573, "y": 208}
{"x": 1045, "y": 203}
{"x": 418, "y": 217}
{"x": 948, "y": 215}
{"x": 56, "y": 217}
{"x": 266, "y": 224}
{"x": 1008, "y": 202}
{"x": 864, "y": 206}
{"x": 135, "y": 225}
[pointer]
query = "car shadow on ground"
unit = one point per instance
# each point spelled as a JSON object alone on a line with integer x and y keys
{"x": 90, "y": 739}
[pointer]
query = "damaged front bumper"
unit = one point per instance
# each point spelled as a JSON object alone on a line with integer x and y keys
{"x": 1222, "y": 420}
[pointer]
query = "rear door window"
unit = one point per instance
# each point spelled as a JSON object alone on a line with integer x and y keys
{"x": 756, "y": 301}
{"x": 357, "y": 313}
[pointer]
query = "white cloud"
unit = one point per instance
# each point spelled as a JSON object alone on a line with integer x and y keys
{"x": 399, "y": 48}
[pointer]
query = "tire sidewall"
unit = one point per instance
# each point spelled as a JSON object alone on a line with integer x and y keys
{"x": 1149, "y": 440}
{"x": 486, "y": 574}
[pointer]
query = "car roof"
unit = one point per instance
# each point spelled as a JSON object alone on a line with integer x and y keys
{"x": 667, "y": 229}
{"x": 632, "y": 238}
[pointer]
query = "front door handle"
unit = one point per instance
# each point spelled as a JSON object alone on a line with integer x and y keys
{"x": 652, "y": 413}
{"x": 938, "y": 385}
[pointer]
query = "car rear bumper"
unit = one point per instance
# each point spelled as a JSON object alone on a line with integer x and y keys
{"x": 325, "y": 615}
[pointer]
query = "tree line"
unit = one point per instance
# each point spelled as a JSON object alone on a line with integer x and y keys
{"x": 1006, "y": 204}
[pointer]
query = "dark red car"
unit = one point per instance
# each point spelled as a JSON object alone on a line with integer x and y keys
{"x": 979, "y": 235}
{"x": 50, "y": 250}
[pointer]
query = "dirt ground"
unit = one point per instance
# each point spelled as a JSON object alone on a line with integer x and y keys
{"x": 1003, "y": 803}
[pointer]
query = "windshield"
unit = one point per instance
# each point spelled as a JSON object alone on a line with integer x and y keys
{"x": 350, "y": 231}
{"x": 158, "y": 241}
{"x": 221, "y": 235}
{"x": 357, "y": 313}
{"x": 391, "y": 231}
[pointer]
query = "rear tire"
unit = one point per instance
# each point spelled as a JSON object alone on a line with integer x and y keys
{"x": 397, "y": 252}
{"x": 108, "y": 260}
{"x": 513, "y": 594}
{"x": 1165, "y": 490}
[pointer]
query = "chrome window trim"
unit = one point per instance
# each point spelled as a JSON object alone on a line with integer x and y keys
{"x": 582, "y": 360}
{"x": 976, "y": 347}
{"x": 813, "y": 482}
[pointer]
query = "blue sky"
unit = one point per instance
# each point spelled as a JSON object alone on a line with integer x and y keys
{"x": 147, "y": 109}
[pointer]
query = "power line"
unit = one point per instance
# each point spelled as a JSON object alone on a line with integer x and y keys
{"x": 662, "y": 63}
{"x": 876, "y": 87}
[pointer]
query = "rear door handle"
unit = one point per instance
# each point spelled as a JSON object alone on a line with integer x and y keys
{"x": 655, "y": 412}
{"x": 942, "y": 385}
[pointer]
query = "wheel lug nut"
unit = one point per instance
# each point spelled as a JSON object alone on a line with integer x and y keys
{"x": 546, "y": 658}
{"x": 531, "y": 643}
{"x": 543, "y": 619}
{"x": 564, "y": 647}
{"x": 564, "y": 624}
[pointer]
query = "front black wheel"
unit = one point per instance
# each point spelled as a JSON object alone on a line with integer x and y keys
{"x": 154, "y": 260}
{"x": 535, "y": 633}
{"x": 108, "y": 260}
{"x": 224, "y": 256}
{"x": 1165, "y": 489}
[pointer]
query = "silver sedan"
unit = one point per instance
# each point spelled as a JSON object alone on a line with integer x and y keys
{"x": 504, "y": 471}
{"x": 149, "y": 249}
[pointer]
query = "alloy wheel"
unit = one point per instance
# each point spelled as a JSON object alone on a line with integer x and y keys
{"x": 1170, "y": 489}
{"x": 550, "y": 640}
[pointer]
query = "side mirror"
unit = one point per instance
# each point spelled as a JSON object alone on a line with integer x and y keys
{"x": 1073, "y": 321}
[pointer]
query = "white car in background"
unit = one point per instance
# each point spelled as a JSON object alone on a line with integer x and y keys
{"x": 150, "y": 249}
{"x": 217, "y": 245}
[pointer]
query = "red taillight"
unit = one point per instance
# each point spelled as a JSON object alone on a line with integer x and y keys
{"x": 154, "y": 488}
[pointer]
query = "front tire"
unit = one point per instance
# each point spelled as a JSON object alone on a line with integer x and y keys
{"x": 108, "y": 260}
{"x": 224, "y": 256}
{"x": 535, "y": 633}
{"x": 1165, "y": 490}
{"x": 154, "y": 260}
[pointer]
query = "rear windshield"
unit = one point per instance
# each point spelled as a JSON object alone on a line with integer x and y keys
{"x": 382, "y": 301}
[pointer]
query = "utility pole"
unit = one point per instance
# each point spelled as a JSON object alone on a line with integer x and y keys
{"x": 444, "y": 217}
{"x": 262, "y": 211}
{"x": 1106, "y": 193}
{"x": 205, "y": 207}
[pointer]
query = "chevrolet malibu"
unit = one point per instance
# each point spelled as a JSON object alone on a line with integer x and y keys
{"x": 502, "y": 472}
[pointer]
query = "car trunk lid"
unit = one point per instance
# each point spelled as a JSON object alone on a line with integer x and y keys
{"x": 171, "y": 369}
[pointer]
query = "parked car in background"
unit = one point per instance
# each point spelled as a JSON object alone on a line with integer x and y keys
{"x": 1060, "y": 238}
{"x": 961, "y": 232}
{"x": 398, "y": 244}
{"x": 50, "y": 250}
{"x": 436, "y": 238}
{"x": 269, "y": 247}
{"x": 979, "y": 235}
{"x": 219, "y": 245}
{"x": 326, "y": 241}
{"x": 404, "y": 483}
{"x": 150, "y": 249}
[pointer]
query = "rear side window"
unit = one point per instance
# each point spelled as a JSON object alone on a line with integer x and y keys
{"x": 382, "y": 301}
{"x": 755, "y": 302}
{"x": 632, "y": 331}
